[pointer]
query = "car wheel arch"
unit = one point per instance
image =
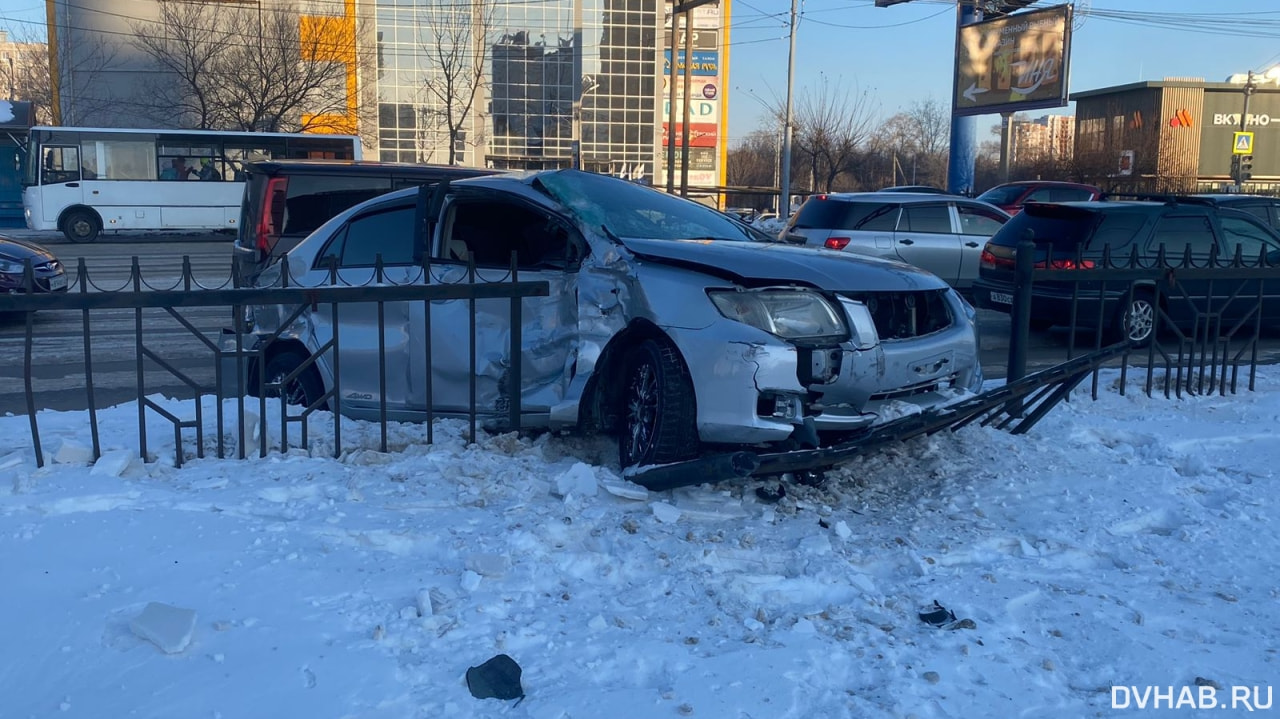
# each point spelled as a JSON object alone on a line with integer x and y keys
{"x": 601, "y": 405}
{"x": 273, "y": 350}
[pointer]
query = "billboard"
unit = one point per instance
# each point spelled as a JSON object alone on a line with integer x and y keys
{"x": 1013, "y": 63}
{"x": 705, "y": 63}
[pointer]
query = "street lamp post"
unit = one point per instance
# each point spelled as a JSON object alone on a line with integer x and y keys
{"x": 784, "y": 199}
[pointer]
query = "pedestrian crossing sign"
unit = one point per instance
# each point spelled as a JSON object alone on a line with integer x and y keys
{"x": 1242, "y": 143}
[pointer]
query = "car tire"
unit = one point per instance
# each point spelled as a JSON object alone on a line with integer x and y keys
{"x": 659, "y": 416}
{"x": 80, "y": 226}
{"x": 305, "y": 389}
{"x": 1136, "y": 319}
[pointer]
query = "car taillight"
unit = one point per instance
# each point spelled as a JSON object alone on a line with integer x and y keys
{"x": 1067, "y": 265}
{"x": 990, "y": 261}
{"x": 837, "y": 243}
{"x": 272, "y": 216}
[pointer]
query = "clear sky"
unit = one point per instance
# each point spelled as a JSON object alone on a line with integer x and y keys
{"x": 906, "y": 52}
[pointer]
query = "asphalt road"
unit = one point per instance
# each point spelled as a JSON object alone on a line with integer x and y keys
{"x": 58, "y": 368}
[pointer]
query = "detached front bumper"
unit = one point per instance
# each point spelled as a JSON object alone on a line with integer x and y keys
{"x": 1016, "y": 406}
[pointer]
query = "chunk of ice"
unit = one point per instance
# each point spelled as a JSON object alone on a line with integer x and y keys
{"x": 579, "y": 481}
{"x": 665, "y": 513}
{"x": 113, "y": 463}
{"x": 169, "y": 628}
{"x": 72, "y": 452}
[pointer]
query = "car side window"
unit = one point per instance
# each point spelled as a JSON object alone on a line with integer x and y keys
{"x": 491, "y": 231}
{"x": 389, "y": 232}
{"x": 1260, "y": 211}
{"x": 1252, "y": 238}
{"x": 1043, "y": 194}
{"x": 925, "y": 218}
{"x": 881, "y": 219}
{"x": 1178, "y": 232}
{"x": 978, "y": 220}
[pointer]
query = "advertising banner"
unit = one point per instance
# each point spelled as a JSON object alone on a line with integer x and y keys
{"x": 1013, "y": 63}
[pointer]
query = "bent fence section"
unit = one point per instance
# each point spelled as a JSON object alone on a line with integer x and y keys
{"x": 1208, "y": 314}
{"x": 230, "y": 351}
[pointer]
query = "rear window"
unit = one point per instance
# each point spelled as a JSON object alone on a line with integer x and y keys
{"x": 832, "y": 214}
{"x": 1003, "y": 194}
{"x": 313, "y": 200}
{"x": 1066, "y": 227}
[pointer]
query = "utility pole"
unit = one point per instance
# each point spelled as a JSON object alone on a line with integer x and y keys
{"x": 1242, "y": 165}
{"x": 784, "y": 202}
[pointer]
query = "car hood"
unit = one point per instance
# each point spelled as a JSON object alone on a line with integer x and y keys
{"x": 756, "y": 261}
{"x": 16, "y": 251}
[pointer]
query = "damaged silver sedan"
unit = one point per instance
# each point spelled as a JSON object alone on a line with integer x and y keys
{"x": 668, "y": 324}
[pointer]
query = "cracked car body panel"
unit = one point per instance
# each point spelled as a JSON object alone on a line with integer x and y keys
{"x": 916, "y": 345}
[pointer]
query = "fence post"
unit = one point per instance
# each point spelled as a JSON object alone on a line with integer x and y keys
{"x": 1020, "y": 317}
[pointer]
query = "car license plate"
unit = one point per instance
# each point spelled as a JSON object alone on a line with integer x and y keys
{"x": 58, "y": 282}
{"x": 1003, "y": 298}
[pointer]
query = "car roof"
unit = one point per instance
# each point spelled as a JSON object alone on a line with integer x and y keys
{"x": 1046, "y": 183}
{"x": 1226, "y": 196}
{"x": 363, "y": 167}
{"x": 881, "y": 196}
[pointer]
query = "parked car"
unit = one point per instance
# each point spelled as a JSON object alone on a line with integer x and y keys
{"x": 1266, "y": 209}
{"x": 930, "y": 189}
{"x": 1011, "y": 196}
{"x": 285, "y": 200}
{"x": 666, "y": 323}
{"x": 943, "y": 234}
{"x": 47, "y": 272}
{"x": 1075, "y": 235}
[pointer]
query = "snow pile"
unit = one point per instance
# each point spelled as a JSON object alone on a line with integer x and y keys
{"x": 1127, "y": 542}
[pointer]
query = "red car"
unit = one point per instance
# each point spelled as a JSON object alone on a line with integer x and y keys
{"x": 1011, "y": 196}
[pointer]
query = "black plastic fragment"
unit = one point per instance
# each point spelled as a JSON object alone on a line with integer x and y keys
{"x": 498, "y": 678}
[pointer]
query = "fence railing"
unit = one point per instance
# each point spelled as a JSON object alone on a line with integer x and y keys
{"x": 1207, "y": 313}
{"x": 234, "y": 349}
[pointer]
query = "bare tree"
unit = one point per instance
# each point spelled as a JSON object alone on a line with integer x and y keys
{"x": 829, "y": 126}
{"x": 754, "y": 163}
{"x": 918, "y": 135}
{"x": 454, "y": 42}
{"x": 257, "y": 68}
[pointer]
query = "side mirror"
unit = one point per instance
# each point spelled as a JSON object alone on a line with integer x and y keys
{"x": 795, "y": 238}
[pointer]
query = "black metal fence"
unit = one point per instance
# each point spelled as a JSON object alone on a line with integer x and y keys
{"x": 234, "y": 350}
{"x": 1208, "y": 313}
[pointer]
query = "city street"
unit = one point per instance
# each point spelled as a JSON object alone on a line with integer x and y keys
{"x": 58, "y": 359}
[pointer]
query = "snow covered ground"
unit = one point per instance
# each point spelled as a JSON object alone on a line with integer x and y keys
{"x": 1127, "y": 542}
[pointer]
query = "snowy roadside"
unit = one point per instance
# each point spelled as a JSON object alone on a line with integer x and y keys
{"x": 1124, "y": 542}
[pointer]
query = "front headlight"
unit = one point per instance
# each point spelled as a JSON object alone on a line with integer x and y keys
{"x": 790, "y": 314}
{"x": 10, "y": 267}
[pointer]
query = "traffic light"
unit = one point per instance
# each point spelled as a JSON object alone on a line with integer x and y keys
{"x": 1235, "y": 167}
{"x": 1246, "y": 167}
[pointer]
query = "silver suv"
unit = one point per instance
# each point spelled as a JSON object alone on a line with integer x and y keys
{"x": 940, "y": 233}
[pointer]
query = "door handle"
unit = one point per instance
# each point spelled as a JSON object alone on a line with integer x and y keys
{"x": 906, "y": 242}
{"x": 73, "y": 184}
{"x": 970, "y": 244}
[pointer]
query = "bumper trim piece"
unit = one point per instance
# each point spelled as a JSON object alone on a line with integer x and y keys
{"x": 1016, "y": 406}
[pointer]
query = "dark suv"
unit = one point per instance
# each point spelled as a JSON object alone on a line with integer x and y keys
{"x": 285, "y": 200}
{"x": 1266, "y": 209}
{"x": 1074, "y": 236}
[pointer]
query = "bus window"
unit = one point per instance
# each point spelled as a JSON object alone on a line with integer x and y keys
{"x": 61, "y": 164}
{"x": 120, "y": 159}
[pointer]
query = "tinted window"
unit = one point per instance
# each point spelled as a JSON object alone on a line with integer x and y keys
{"x": 1003, "y": 194}
{"x": 1063, "y": 226}
{"x": 832, "y": 214}
{"x": 389, "y": 232}
{"x": 1117, "y": 230}
{"x": 1069, "y": 194}
{"x": 313, "y": 200}
{"x": 1043, "y": 194}
{"x": 925, "y": 218}
{"x": 1178, "y": 232}
{"x": 1260, "y": 211}
{"x": 1252, "y": 238}
{"x": 882, "y": 218}
{"x": 978, "y": 220}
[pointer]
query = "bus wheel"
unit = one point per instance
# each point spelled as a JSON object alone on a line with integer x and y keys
{"x": 80, "y": 226}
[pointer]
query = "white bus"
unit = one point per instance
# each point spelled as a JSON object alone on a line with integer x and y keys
{"x": 85, "y": 180}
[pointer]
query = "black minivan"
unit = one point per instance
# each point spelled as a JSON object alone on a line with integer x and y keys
{"x": 285, "y": 200}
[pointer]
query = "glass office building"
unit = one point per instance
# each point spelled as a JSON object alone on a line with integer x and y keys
{"x": 560, "y": 79}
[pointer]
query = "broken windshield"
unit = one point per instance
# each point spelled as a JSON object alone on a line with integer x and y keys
{"x": 636, "y": 211}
